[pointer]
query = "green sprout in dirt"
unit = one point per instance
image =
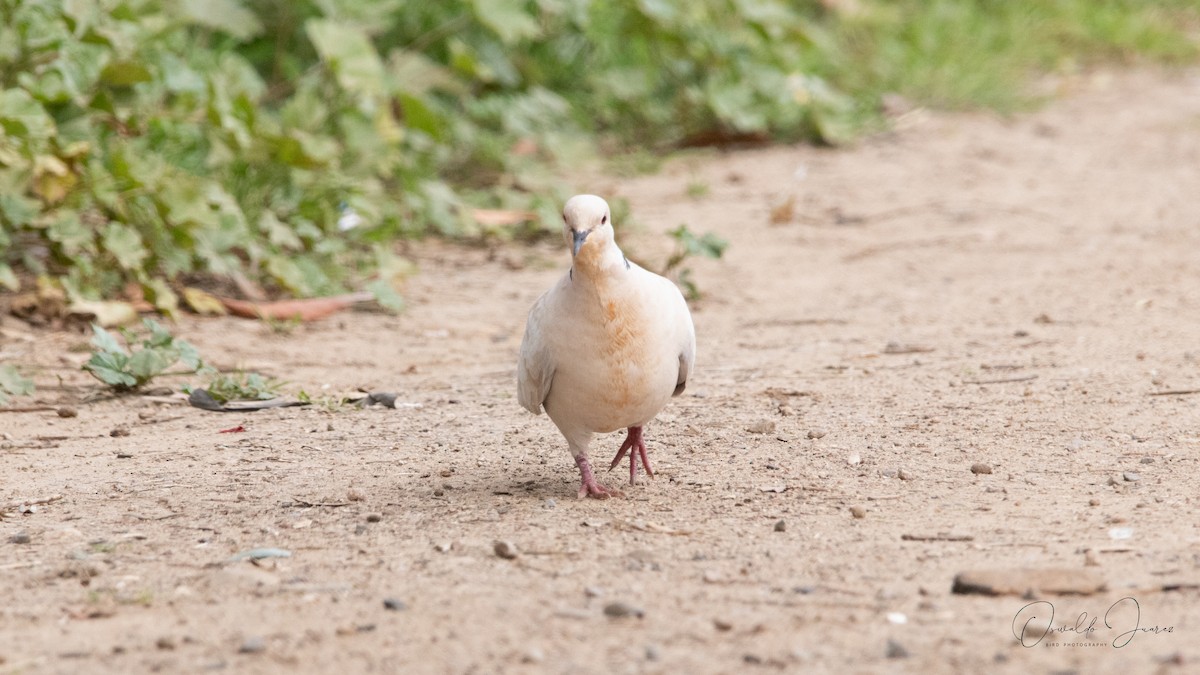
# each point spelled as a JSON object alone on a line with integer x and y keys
{"x": 689, "y": 245}
{"x": 242, "y": 386}
{"x": 12, "y": 383}
{"x": 127, "y": 369}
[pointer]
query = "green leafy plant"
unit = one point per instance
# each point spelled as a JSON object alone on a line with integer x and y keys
{"x": 127, "y": 369}
{"x": 149, "y": 142}
{"x": 12, "y": 383}
{"x": 242, "y": 386}
{"x": 688, "y": 245}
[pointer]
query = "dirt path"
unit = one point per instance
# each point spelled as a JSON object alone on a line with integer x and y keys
{"x": 968, "y": 290}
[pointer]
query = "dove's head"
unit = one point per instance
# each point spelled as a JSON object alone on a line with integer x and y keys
{"x": 587, "y": 225}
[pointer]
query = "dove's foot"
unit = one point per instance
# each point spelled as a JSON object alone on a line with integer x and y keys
{"x": 590, "y": 488}
{"x": 633, "y": 442}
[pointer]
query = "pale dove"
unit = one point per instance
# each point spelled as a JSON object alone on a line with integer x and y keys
{"x": 606, "y": 347}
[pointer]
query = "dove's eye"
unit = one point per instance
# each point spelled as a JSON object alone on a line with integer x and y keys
{"x": 604, "y": 219}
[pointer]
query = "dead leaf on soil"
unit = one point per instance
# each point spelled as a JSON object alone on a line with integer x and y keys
{"x": 501, "y": 217}
{"x": 783, "y": 213}
{"x": 200, "y": 398}
{"x": 307, "y": 309}
{"x": 203, "y": 302}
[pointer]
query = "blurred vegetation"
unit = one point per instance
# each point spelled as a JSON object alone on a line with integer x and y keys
{"x": 291, "y": 142}
{"x": 242, "y": 386}
{"x": 125, "y": 369}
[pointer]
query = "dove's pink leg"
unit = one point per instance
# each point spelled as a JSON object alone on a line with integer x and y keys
{"x": 590, "y": 487}
{"x": 633, "y": 442}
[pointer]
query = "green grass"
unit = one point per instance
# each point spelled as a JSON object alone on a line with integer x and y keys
{"x": 986, "y": 53}
{"x": 149, "y": 142}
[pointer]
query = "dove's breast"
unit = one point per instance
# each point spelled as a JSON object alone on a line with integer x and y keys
{"x": 617, "y": 355}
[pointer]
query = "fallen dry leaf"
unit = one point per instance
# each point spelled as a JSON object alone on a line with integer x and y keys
{"x": 307, "y": 309}
{"x": 501, "y": 217}
{"x": 203, "y": 302}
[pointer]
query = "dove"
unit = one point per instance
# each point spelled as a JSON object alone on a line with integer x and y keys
{"x": 606, "y": 347}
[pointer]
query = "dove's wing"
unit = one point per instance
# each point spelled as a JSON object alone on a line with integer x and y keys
{"x": 687, "y": 342}
{"x": 535, "y": 368}
{"x": 687, "y": 358}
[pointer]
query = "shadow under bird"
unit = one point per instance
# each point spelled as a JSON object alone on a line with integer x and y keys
{"x": 606, "y": 347}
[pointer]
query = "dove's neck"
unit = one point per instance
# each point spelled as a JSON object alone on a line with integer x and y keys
{"x": 594, "y": 264}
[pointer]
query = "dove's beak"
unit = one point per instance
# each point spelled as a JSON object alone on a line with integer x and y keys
{"x": 578, "y": 241}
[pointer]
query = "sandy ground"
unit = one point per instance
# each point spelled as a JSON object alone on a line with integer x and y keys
{"x": 967, "y": 290}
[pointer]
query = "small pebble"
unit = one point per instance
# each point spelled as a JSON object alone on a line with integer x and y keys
{"x": 619, "y": 610}
{"x": 506, "y": 549}
{"x": 119, "y": 431}
{"x": 858, "y": 512}
{"x": 1093, "y": 502}
{"x": 354, "y": 495}
{"x": 533, "y": 655}
{"x": 722, "y": 625}
{"x": 979, "y": 467}
{"x": 374, "y": 517}
{"x": 780, "y": 526}
{"x": 549, "y": 503}
{"x": 124, "y": 455}
{"x": 442, "y": 547}
{"x": 816, "y": 433}
{"x": 593, "y": 591}
{"x": 753, "y": 659}
{"x": 253, "y": 645}
{"x": 1131, "y": 476}
{"x": 1147, "y": 460}
{"x": 905, "y": 474}
{"x": 895, "y": 650}
{"x": 21, "y": 537}
{"x": 165, "y": 643}
{"x": 394, "y": 604}
{"x": 65, "y": 412}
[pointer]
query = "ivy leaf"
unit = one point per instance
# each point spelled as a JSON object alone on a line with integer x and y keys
{"x": 349, "y": 54}
{"x": 146, "y": 363}
{"x": 189, "y": 357}
{"x": 227, "y": 16}
{"x": 507, "y": 18}
{"x": 125, "y": 74}
{"x": 386, "y": 295}
{"x": 13, "y": 384}
{"x": 159, "y": 336}
{"x": 104, "y": 341}
{"x": 16, "y": 210}
{"x": 110, "y": 368}
{"x": 8, "y": 278}
{"x": 125, "y": 244}
{"x": 69, "y": 233}
{"x": 21, "y": 115}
